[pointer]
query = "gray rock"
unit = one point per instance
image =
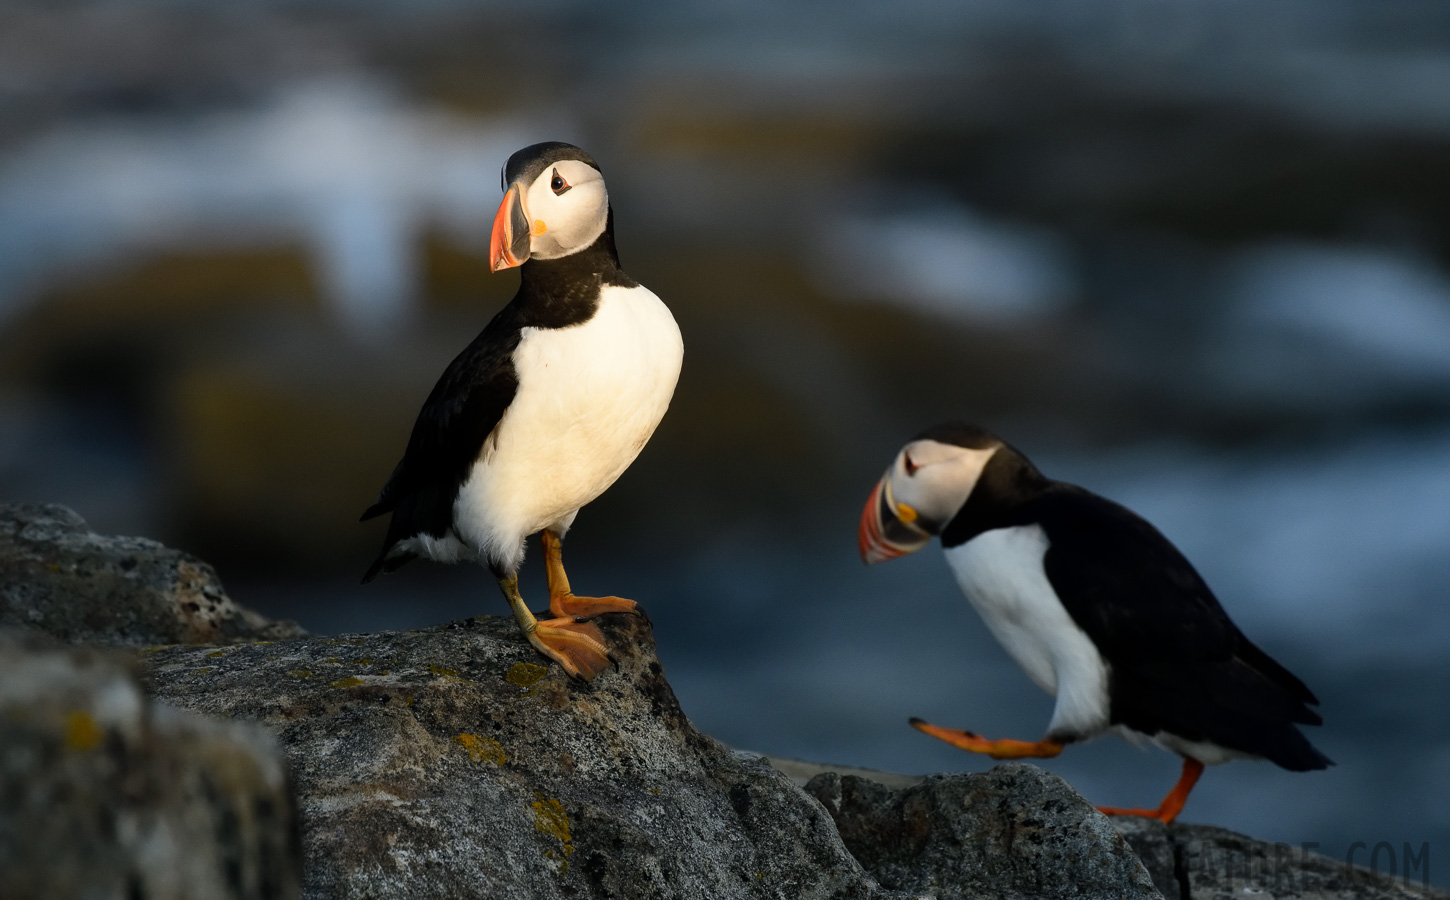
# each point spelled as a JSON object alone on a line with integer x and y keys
{"x": 60, "y": 578}
{"x": 1199, "y": 862}
{"x": 801, "y": 771}
{"x": 453, "y": 762}
{"x": 106, "y": 794}
{"x": 1014, "y": 832}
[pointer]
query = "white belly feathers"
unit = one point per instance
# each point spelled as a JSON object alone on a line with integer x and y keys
{"x": 589, "y": 397}
{"x": 1001, "y": 573}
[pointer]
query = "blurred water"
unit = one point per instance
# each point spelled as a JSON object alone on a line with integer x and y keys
{"x": 949, "y": 262}
{"x": 339, "y": 165}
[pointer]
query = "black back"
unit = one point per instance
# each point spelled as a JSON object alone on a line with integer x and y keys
{"x": 1177, "y": 663}
{"x": 470, "y": 398}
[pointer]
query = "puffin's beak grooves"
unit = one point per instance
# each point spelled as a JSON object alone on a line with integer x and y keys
{"x": 871, "y": 536}
{"x": 508, "y": 246}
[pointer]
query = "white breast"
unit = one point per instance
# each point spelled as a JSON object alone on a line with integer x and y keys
{"x": 589, "y": 398}
{"x": 1001, "y": 573}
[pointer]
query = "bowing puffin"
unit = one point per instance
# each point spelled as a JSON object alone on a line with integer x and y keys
{"x": 1095, "y": 605}
{"x": 544, "y": 409}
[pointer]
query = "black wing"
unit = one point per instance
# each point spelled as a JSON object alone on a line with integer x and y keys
{"x": 460, "y": 413}
{"x": 1178, "y": 664}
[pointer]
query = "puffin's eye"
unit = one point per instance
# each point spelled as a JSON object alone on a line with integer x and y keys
{"x": 557, "y": 184}
{"x": 911, "y": 467}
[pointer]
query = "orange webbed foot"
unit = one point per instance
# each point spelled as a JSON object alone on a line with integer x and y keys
{"x": 578, "y": 647}
{"x": 1002, "y": 749}
{"x": 562, "y": 600}
{"x": 589, "y": 607}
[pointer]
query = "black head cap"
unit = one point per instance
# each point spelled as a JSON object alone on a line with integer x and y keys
{"x": 526, "y": 164}
{"x": 1007, "y": 480}
{"x": 960, "y": 434}
{"x": 974, "y": 437}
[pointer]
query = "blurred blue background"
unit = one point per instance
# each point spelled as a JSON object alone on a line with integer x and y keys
{"x": 1193, "y": 257}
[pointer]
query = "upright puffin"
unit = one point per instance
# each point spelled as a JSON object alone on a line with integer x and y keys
{"x": 544, "y": 409}
{"x": 1095, "y": 605}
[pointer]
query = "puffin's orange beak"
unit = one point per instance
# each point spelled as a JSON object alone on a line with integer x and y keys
{"x": 509, "y": 244}
{"x": 877, "y": 521}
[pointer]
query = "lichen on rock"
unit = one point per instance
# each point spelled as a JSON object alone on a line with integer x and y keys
{"x": 473, "y": 770}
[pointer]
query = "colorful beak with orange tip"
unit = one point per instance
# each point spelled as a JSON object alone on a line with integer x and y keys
{"x": 509, "y": 245}
{"x": 883, "y": 534}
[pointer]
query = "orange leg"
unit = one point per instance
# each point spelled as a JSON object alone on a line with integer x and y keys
{"x": 1005, "y": 749}
{"x": 576, "y": 646}
{"x": 562, "y": 601}
{"x": 1172, "y": 805}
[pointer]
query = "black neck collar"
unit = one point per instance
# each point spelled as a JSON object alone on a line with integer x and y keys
{"x": 565, "y": 276}
{"x": 1006, "y": 484}
{"x": 558, "y": 293}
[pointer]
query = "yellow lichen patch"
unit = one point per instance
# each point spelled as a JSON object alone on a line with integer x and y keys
{"x": 444, "y": 671}
{"x": 363, "y": 661}
{"x": 410, "y": 701}
{"x": 300, "y": 673}
{"x": 525, "y": 674}
{"x": 82, "y": 731}
{"x": 350, "y": 681}
{"x": 216, "y": 654}
{"x": 482, "y": 749}
{"x": 551, "y": 819}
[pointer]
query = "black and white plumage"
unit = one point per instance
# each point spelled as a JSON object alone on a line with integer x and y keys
{"x": 1095, "y": 604}
{"x": 546, "y": 408}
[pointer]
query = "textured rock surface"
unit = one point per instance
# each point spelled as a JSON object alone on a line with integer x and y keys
{"x": 1198, "y": 862}
{"x": 106, "y": 794}
{"x": 60, "y": 578}
{"x": 452, "y": 763}
{"x": 1015, "y": 831}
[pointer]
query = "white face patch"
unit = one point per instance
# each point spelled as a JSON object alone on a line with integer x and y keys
{"x": 568, "y": 219}
{"x": 934, "y": 479}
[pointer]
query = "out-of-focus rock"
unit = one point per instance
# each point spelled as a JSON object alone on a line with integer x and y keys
{"x": 454, "y": 762}
{"x": 106, "y": 794}
{"x": 801, "y": 772}
{"x": 1200, "y": 862}
{"x": 1014, "y": 832}
{"x": 60, "y": 578}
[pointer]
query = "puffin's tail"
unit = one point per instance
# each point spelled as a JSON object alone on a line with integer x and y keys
{"x": 388, "y": 562}
{"x": 1294, "y": 752}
